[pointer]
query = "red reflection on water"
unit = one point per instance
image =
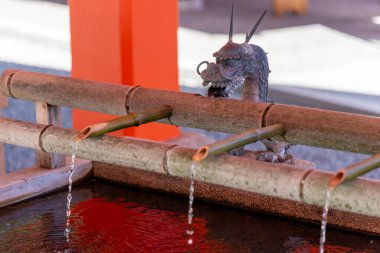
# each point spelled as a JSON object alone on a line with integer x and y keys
{"x": 102, "y": 226}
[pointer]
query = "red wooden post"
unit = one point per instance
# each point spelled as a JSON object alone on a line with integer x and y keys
{"x": 130, "y": 42}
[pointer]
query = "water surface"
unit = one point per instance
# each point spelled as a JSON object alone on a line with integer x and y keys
{"x": 111, "y": 218}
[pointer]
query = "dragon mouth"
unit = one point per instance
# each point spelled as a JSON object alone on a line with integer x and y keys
{"x": 235, "y": 82}
{"x": 228, "y": 85}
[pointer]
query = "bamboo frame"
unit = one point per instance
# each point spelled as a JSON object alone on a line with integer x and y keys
{"x": 287, "y": 182}
{"x": 308, "y": 126}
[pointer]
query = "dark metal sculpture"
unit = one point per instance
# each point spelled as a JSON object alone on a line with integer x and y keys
{"x": 237, "y": 64}
{"x": 243, "y": 64}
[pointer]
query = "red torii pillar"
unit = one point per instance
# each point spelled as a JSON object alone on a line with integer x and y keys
{"x": 130, "y": 42}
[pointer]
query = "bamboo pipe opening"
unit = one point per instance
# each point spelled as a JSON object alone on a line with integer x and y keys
{"x": 337, "y": 179}
{"x": 355, "y": 170}
{"x": 83, "y": 134}
{"x": 201, "y": 154}
{"x": 88, "y": 131}
{"x": 129, "y": 120}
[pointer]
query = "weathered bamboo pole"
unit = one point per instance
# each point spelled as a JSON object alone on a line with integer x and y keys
{"x": 355, "y": 170}
{"x": 64, "y": 91}
{"x": 235, "y": 197}
{"x": 314, "y": 127}
{"x": 247, "y": 137}
{"x": 361, "y": 196}
{"x": 329, "y": 129}
{"x": 132, "y": 119}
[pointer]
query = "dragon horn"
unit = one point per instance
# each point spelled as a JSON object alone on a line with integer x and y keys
{"x": 249, "y": 36}
{"x": 231, "y": 23}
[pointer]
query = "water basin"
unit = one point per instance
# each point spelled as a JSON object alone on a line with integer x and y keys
{"x": 113, "y": 218}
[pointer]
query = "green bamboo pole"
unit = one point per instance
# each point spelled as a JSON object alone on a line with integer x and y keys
{"x": 247, "y": 137}
{"x": 132, "y": 119}
{"x": 355, "y": 170}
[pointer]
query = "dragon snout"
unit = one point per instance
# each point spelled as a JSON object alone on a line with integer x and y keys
{"x": 210, "y": 74}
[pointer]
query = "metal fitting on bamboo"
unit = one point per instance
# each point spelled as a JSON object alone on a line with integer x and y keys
{"x": 132, "y": 119}
{"x": 355, "y": 170}
{"x": 247, "y": 137}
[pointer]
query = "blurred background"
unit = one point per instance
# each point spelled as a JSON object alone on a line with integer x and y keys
{"x": 322, "y": 53}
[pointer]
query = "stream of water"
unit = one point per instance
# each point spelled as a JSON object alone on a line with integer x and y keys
{"x": 69, "y": 195}
{"x": 190, "y": 231}
{"x": 322, "y": 238}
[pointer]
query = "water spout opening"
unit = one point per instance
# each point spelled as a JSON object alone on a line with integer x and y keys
{"x": 201, "y": 154}
{"x": 337, "y": 179}
{"x": 83, "y": 134}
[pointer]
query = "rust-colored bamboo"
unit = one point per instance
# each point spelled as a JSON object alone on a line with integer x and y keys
{"x": 355, "y": 170}
{"x": 308, "y": 126}
{"x": 247, "y": 137}
{"x": 132, "y": 119}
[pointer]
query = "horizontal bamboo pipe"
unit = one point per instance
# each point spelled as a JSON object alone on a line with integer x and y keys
{"x": 247, "y": 137}
{"x": 132, "y": 119}
{"x": 361, "y": 196}
{"x": 355, "y": 170}
{"x": 314, "y": 127}
{"x": 234, "y": 197}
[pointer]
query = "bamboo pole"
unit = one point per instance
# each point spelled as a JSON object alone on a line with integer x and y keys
{"x": 65, "y": 91}
{"x": 329, "y": 129}
{"x": 361, "y": 196}
{"x": 247, "y": 137}
{"x": 132, "y": 119}
{"x": 234, "y": 197}
{"x": 355, "y": 170}
{"x": 308, "y": 126}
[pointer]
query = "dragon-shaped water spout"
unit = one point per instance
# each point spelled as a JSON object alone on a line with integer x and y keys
{"x": 242, "y": 64}
{"x": 238, "y": 64}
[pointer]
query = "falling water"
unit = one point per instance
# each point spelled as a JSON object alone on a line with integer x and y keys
{"x": 322, "y": 239}
{"x": 191, "y": 200}
{"x": 69, "y": 196}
